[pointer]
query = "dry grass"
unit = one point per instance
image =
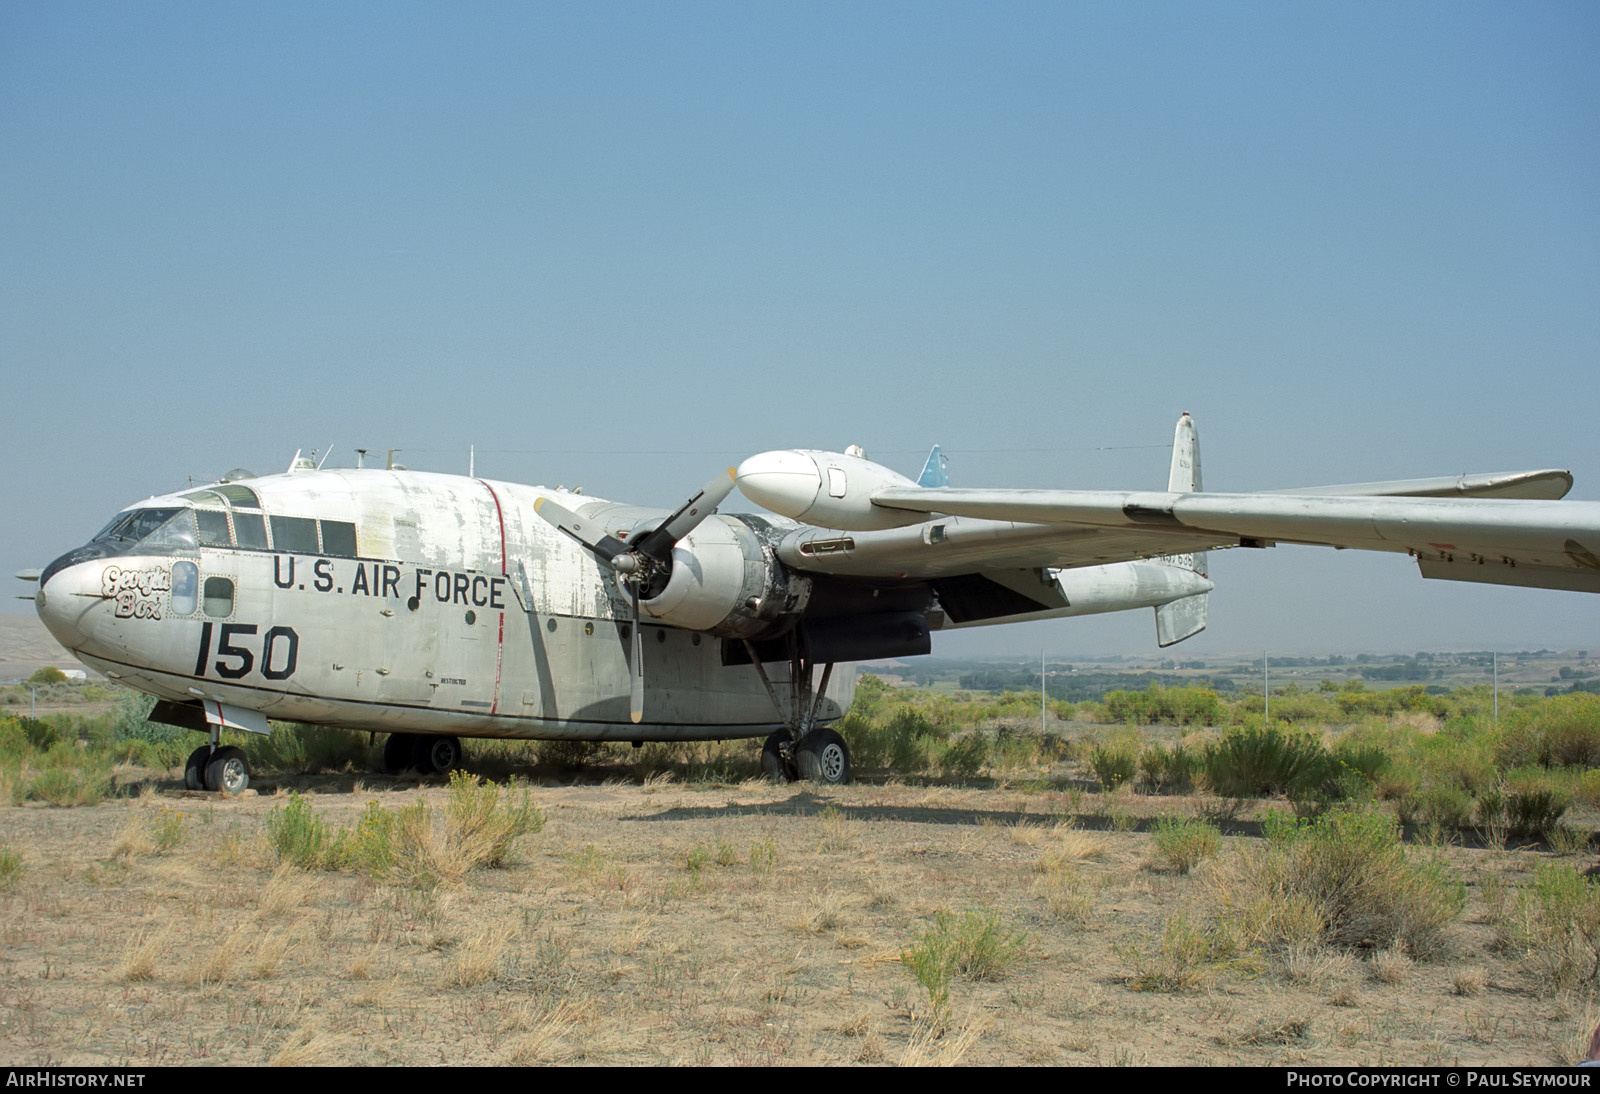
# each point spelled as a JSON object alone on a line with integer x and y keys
{"x": 598, "y": 943}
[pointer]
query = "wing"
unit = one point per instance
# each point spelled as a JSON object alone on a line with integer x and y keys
{"x": 1544, "y": 544}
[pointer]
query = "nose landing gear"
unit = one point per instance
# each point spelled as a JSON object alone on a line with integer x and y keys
{"x": 802, "y": 750}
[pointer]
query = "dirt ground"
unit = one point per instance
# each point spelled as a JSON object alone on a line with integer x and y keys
{"x": 664, "y": 923}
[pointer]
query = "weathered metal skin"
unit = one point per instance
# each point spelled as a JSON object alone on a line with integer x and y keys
{"x": 461, "y": 612}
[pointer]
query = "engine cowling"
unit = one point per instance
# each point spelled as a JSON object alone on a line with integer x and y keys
{"x": 726, "y": 581}
{"x": 827, "y": 489}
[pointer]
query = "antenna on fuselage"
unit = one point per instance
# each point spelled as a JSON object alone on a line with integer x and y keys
{"x": 472, "y": 456}
{"x": 325, "y": 456}
{"x": 361, "y": 458}
{"x": 392, "y": 451}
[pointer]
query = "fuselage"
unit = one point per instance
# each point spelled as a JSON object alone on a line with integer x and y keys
{"x": 396, "y": 601}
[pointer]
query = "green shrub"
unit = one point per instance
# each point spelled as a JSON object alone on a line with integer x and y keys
{"x": 1168, "y": 771}
{"x": 1180, "y": 844}
{"x": 1534, "y": 805}
{"x": 38, "y": 733}
{"x": 49, "y": 674}
{"x": 1560, "y": 731}
{"x": 1350, "y": 878}
{"x": 975, "y": 944}
{"x": 306, "y": 750}
{"x": 486, "y": 820}
{"x": 1447, "y": 806}
{"x": 1557, "y": 928}
{"x": 10, "y": 866}
{"x": 1258, "y": 761}
{"x": 1114, "y": 764}
{"x": 965, "y": 756}
{"x": 300, "y": 837}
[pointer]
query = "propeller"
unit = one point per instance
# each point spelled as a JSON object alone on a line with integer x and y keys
{"x": 643, "y": 565}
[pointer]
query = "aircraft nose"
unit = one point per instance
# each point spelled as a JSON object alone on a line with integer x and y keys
{"x": 785, "y": 482}
{"x": 65, "y": 598}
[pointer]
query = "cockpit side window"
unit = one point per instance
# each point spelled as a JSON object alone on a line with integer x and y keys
{"x": 177, "y": 531}
{"x": 213, "y": 528}
{"x": 239, "y": 495}
{"x": 297, "y": 534}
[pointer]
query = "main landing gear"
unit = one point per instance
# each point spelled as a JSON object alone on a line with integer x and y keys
{"x": 427, "y": 755}
{"x": 802, "y": 749}
{"x": 211, "y": 767}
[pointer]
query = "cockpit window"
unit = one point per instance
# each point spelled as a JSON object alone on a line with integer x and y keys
{"x": 135, "y": 525}
{"x": 176, "y": 532}
{"x": 213, "y": 528}
{"x": 239, "y": 495}
{"x": 204, "y": 497}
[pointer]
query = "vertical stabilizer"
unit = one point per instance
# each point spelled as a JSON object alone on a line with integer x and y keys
{"x": 1184, "y": 618}
{"x": 933, "y": 472}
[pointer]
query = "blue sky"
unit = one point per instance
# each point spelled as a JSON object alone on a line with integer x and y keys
{"x": 624, "y": 244}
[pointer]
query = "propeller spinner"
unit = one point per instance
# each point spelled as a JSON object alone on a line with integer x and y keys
{"x": 646, "y": 563}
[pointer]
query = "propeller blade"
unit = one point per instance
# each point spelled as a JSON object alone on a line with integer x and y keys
{"x": 589, "y": 534}
{"x": 657, "y": 545}
{"x": 636, "y": 667}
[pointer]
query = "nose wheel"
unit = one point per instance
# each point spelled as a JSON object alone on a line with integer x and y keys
{"x": 219, "y": 770}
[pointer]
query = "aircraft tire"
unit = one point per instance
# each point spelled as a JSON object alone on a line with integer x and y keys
{"x": 228, "y": 772}
{"x": 194, "y": 768}
{"x": 436, "y": 755}
{"x": 397, "y": 753}
{"x": 773, "y": 764}
{"x": 822, "y": 757}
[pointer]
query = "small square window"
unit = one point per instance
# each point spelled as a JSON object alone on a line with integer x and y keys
{"x": 218, "y": 597}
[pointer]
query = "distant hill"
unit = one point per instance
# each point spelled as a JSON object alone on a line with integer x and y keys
{"x": 25, "y": 645}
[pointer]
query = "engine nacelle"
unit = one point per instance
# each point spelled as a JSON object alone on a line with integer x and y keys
{"x": 827, "y": 489}
{"x": 727, "y": 582}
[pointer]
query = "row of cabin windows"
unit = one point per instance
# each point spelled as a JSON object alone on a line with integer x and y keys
{"x": 299, "y": 535}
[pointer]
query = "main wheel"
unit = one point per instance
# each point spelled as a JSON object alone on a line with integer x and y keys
{"x": 194, "y": 768}
{"x": 821, "y": 756}
{"x": 436, "y": 755}
{"x": 228, "y": 772}
{"x": 397, "y": 753}
{"x": 773, "y": 763}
